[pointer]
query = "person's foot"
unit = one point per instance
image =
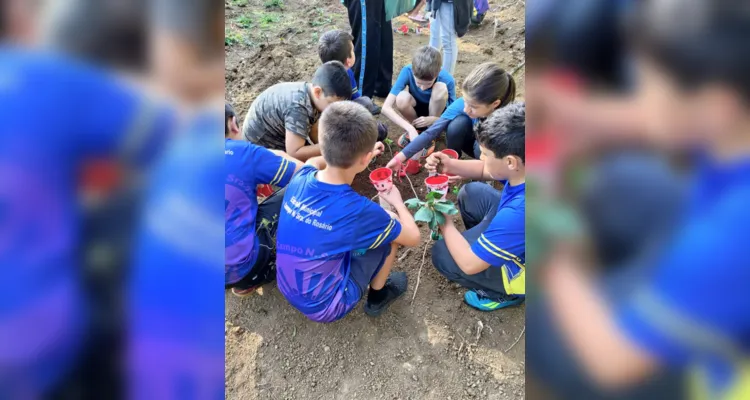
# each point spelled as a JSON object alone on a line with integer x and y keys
{"x": 376, "y": 109}
{"x": 412, "y": 167}
{"x": 418, "y": 18}
{"x": 477, "y": 19}
{"x": 394, "y": 287}
{"x": 403, "y": 140}
{"x": 244, "y": 292}
{"x": 382, "y": 131}
{"x": 479, "y": 300}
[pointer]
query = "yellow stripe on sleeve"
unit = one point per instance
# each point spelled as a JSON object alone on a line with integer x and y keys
{"x": 498, "y": 251}
{"x": 381, "y": 238}
{"x": 280, "y": 172}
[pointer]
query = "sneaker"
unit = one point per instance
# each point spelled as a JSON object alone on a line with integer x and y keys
{"x": 477, "y": 19}
{"x": 244, "y": 292}
{"x": 376, "y": 109}
{"x": 403, "y": 140}
{"x": 479, "y": 300}
{"x": 396, "y": 286}
{"x": 412, "y": 167}
{"x": 382, "y": 131}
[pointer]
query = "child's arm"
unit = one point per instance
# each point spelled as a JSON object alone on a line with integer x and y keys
{"x": 410, "y": 235}
{"x": 468, "y": 169}
{"x": 390, "y": 111}
{"x": 423, "y": 141}
{"x": 298, "y": 164}
{"x": 460, "y": 249}
{"x": 296, "y": 147}
{"x": 318, "y": 162}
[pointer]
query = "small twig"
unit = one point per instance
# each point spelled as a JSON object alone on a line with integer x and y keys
{"x": 518, "y": 68}
{"x": 374, "y": 197}
{"x": 403, "y": 256}
{"x": 516, "y": 342}
{"x": 419, "y": 274}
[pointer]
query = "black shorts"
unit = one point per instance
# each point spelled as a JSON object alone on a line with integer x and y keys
{"x": 365, "y": 266}
{"x": 422, "y": 109}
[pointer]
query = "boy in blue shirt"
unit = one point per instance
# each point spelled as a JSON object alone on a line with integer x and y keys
{"x": 249, "y": 227}
{"x": 332, "y": 242}
{"x": 421, "y": 93}
{"x": 489, "y": 257}
{"x": 338, "y": 45}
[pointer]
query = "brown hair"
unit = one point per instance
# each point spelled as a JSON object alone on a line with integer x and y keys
{"x": 426, "y": 63}
{"x": 347, "y": 131}
{"x": 335, "y": 45}
{"x": 488, "y": 83}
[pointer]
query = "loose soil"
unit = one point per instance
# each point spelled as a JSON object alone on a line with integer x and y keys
{"x": 425, "y": 349}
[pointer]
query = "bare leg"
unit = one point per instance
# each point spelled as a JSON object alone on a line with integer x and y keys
{"x": 379, "y": 280}
{"x": 314, "y": 133}
{"x": 406, "y": 106}
{"x": 438, "y": 99}
{"x": 417, "y": 8}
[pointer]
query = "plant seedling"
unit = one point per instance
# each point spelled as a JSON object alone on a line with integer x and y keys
{"x": 455, "y": 190}
{"x": 432, "y": 211}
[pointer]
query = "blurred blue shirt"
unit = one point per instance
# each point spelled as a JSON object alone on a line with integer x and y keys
{"x": 54, "y": 114}
{"x": 695, "y": 308}
{"x": 406, "y": 78}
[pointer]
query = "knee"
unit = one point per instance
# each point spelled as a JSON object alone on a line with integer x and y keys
{"x": 440, "y": 256}
{"x": 470, "y": 191}
{"x": 439, "y": 92}
{"x": 404, "y": 101}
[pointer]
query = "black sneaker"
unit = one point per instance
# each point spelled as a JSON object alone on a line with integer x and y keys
{"x": 395, "y": 287}
{"x": 382, "y": 131}
{"x": 376, "y": 109}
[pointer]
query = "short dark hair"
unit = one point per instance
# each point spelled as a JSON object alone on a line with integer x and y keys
{"x": 426, "y": 63}
{"x": 488, "y": 83}
{"x": 228, "y": 115}
{"x": 347, "y": 131}
{"x": 706, "y": 44}
{"x": 334, "y": 80}
{"x": 335, "y": 45}
{"x": 504, "y": 131}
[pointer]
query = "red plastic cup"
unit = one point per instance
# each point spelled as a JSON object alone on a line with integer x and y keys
{"x": 382, "y": 179}
{"x": 451, "y": 153}
{"x": 438, "y": 183}
{"x": 264, "y": 191}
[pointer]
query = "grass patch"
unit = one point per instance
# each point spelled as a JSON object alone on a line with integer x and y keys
{"x": 274, "y": 4}
{"x": 239, "y": 3}
{"x": 232, "y": 38}
{"x": 244, "y": 21}
{"x": 269, "y": 18}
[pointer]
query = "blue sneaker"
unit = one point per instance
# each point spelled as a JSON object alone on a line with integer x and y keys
{"x": 480, "y": 301}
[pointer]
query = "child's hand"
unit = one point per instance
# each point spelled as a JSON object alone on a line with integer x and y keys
{"x": 393, "y": 197}
{"x": 396, "y": 162}
{"x": 412, "y": 133}
{"x": 436, "y": 159}
{"x": 424, "y": 122}
{"x": 448, "y": 222}
{"x": 378, "y": 149}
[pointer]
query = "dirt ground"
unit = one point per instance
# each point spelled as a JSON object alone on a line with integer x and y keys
{"x": 428, "y": 348}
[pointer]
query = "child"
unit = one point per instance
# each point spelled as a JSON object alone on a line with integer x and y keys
{"x": 332, "y": 242}
{"x": 249, "y": 227}
{"x": 420, "y": 94}
{"x": 284, "y": 117}
{"x": 489, "y": 257}
{"x": 487, "y": 88}
{"x": 338, "y": 45}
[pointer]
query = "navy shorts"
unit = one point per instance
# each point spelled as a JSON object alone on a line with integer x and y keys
{"x": 366, "y": 265}
{"x": 422, "y": 109}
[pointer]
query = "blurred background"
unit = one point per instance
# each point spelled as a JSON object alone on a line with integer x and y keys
{"x": 638, "y": 146}
{"x": 111, "y": 218}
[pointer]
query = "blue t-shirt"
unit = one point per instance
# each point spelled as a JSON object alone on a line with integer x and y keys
{"x": 406, "y": 77}
{"x": 355, "y": 89}
{"x": 694, "y": 309}
{"x": 425, "y": 138}
{"x": 503, "y": 244}
{"x": 55, "y": 114}
{"x": 247, "y": 166}
{"x": 320, "y": 227}
{"x": 176, "y": 306}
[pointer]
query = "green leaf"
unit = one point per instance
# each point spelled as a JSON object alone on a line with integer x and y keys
{"x": 424, "y": 214}
{"x": 413, "y": 203}
{"x": 440, "y": 218}
{"x": 446, "y": 207}
{"x": 434, "y": 224}
{"x": 434, "y": 196}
